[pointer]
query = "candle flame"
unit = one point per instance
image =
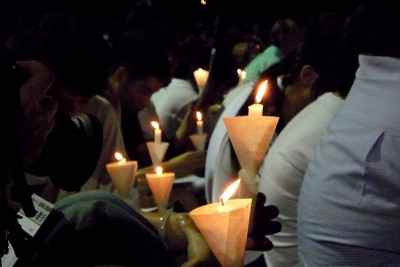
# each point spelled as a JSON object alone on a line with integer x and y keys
{"x": 159, "y": 170}
{"x": 242, "y": 74}
{"x": 199, "y": 116}
{"x": 118, "y": 156}
{"x": 230, "y": 191}
{"x": 261, "y": 91}
{"x": 155, "y": 125}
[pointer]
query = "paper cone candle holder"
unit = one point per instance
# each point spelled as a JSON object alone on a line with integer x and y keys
{"x": 199, "y": 141}
{"x": 122, "y": 174}
{"x": 201, "y": 77}
{"x": 251, "y": 136}
{"x": 157, "y": 151}
{"x": 224, "y": 226}
{"x": 160, "y": 185}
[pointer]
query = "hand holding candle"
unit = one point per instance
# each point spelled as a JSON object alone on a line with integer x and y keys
{"x": 257, "y": 108}
{"x": 225, "y": 226}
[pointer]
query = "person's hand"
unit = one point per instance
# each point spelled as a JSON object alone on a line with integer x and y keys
{"x": 187, "y": 163}
{"x": 198, "y": 252}
{"x": 38, "y": 109}
{"x": 263, "y": 225}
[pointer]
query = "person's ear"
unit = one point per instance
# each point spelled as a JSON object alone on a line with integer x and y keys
{"x": 308, "y": 76}
{"x": 121, "y": 75}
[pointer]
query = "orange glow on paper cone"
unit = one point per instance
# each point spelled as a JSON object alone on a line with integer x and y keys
{"x": 226, "y": 231}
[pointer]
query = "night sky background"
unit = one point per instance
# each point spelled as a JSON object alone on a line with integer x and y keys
{"x": 180, "y": 13}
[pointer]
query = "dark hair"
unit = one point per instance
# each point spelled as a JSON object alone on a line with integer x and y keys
{"x": 142, "y": 59}
{"x": 282, "y": 30}
{"x": 69, "y": 46}
{"x": 381, "y": 23}
{"x": 317, "y": 48}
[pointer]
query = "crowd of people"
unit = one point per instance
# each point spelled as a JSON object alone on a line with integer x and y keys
{"x": 76, "y": 91}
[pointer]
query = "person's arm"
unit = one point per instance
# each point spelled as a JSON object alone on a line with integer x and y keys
{"x": 188, "y": 163}
{"x": 182, "y": 238}
{"x": 38, "y": 109}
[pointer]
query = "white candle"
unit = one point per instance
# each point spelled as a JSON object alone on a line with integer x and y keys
{"x": 257, "y": 108}
{"x": 242, "y": 75}
{"x": 226, "y": 196}
{"x": 201, "y": 77}
{"x": 120, "y": 158}
{"x": 199, "y": 123}
{"x": 157, "y": 132}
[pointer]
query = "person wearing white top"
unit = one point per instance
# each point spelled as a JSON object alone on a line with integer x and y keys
{"x": 171, "y": 104}
{"x": 283, "y": 169}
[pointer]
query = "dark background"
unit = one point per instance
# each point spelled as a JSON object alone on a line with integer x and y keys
{"x": 181, "y": 13}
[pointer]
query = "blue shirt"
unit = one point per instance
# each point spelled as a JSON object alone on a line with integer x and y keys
{"x": 349, "y": 206}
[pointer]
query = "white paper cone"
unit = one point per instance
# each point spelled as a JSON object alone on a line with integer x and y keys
{"x": 123, "y": 176}
{"x": 160, "y": 186}
{"x": 157, "y": 151}
{"x": 199, "y": 141}
{"x": 250, "y": 137}
{"x": 225, "y": 229}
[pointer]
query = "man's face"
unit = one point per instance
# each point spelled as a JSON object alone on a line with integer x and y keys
{"x": 135, "y": 94}
{"x": 68, "y": 102}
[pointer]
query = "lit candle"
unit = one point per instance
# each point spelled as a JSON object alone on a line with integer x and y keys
{"x": 201, "y": 77}
{"x": 227, "y": 195}
{"x": 160, "y": 185}
{"x": 199, "y": 123}
{"x": 122, "y": 174}
{"x": 242, "y": 75}
{"x": 224, "y": 225}
{"x": 120, "y": 158}
{"x": 157, "y": 132}
{"x": 257, "y": 108}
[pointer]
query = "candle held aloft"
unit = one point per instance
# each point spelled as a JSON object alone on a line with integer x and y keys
{"x": 257, "y": 108}
{"x": 225, "y": 226}
{"x": 199, "y": 123}
{"x": 157, "y": 132}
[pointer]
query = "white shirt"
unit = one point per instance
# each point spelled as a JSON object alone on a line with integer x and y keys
{"x": 170, "y": 104}
{"x": 283, "y": 169}
{"x": 219, "y": 169}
